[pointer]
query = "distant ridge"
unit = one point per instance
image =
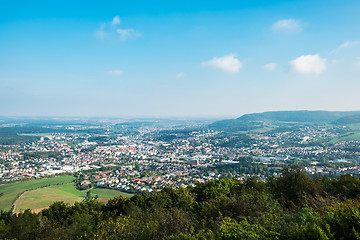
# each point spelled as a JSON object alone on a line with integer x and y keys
{"x": 298, "y": 116}
{"x": 349, "y": 119}
{"x": 255, "y": 120}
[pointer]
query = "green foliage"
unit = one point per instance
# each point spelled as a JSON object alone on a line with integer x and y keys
{"x": 232, "y": 230}
{"x": 39, "y": 154}
{"x": 344, "y": 220}
{"x": 292, "y": 206}
{"x": 349, "y": 119}
{"x": 10, "y": 136}
{"x": 291, "y": 187}
{"x": 346, "y": 186}
{"x": 233, "y": 125}
{"x": 297, "y": 116}
{"x": 310, "y": 231}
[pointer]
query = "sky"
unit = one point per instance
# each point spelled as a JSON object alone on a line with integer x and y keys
{"x": 184, "y": 58}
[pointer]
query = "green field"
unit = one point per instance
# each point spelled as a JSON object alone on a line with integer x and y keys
{"x": 352, "y": 134}
{"x": 44, "y": 197}
{"x": 9, "y": 192}
{"x": 35, "y": 134}
{"x": 108, "y": 193}
{"x": 263, "y": 129}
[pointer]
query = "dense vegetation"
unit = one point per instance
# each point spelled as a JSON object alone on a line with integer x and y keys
{"x": 297, "y": 116}
{"x": 349, "y": 119}
{"x": 232, "y": 125}
{"x": 10, "y": 136}
{"x": 293, "y": 206}
{"x": 256, "y": 120}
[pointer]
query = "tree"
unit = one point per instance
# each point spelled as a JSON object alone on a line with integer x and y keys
{"x": 291, "y": 187}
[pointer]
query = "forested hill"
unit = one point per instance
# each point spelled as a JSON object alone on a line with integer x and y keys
{"x": 292, "y": 206}
{"x": 297, "y": 116}
{"x": 349, "y": 119}
{"x": 253, "y": 120}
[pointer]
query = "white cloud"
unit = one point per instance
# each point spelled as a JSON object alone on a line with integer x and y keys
{"x": 308, "y": 64}
{"x": 228, "y": 63}
{"x": 270, "y": 66}
{"x": 115, "y": 73}
{"x": 116, "y": 20}
{"x": 108, "y": 30}
{"x": 180, "y": 75}
{"x": 346, "y": 44}
{"x": 349, "y": 44}
{"x": 286, "y": 25}
{"x": 127, "y": 33}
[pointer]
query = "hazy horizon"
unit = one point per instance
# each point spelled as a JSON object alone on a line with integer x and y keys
{"x": 184, "y": 59}
{"x": 145, "y": 118}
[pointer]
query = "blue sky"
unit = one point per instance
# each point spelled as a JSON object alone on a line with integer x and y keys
{"x": 178, "y": 58}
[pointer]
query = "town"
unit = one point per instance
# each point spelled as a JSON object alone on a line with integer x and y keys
{"x": 147, "y": 158}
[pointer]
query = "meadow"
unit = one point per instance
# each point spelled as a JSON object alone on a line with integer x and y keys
{"x": 353, "y": 133}
{"x": 9, "y": 192}
{"x": 35, "y": 134}
{"x": 108, "y": 193}
{"x": 44, "y": 197}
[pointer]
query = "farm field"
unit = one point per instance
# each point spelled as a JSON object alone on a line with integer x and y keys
{"x": 108, "y": 193}
{"x": 353, "y": 136}
{"x": 9, "y": 192}
{"x": 44, "y": 197}
{"x": 35, "y": 134}
{"x": 348, "y": 137}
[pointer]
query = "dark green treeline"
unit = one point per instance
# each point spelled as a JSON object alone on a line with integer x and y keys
{"x": 293, "y": 206}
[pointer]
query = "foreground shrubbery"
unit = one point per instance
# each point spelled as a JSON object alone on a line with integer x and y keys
{"x": 292, "y": 206}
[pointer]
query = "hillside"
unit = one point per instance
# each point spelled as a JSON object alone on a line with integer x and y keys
{"x": 256, "y": 120}
{"x": 235, "y": 125}
{"x": 296, "y": 116}
{"x": 348, "y": 119}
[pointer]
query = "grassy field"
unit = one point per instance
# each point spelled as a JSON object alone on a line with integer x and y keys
{"x": 353, "y": 133}
{"x": 9, "y": 192}
{"x": 108, "y": 193}
{"x": 348, "y": 137}
{"x": 44, "y": 197}
{"x": 35, "y": 134}
{"x": 263, "y": 129}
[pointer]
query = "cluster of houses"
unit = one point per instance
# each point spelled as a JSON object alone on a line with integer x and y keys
{"x": 142, "y": 163}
